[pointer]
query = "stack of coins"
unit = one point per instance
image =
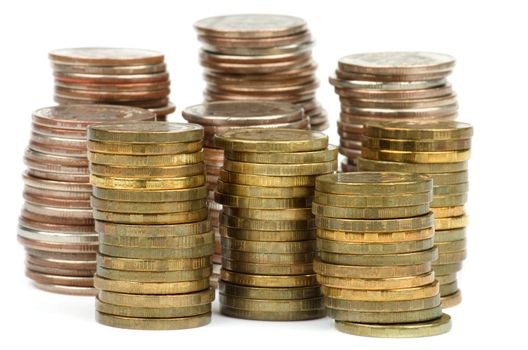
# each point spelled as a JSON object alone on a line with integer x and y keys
{"x": 56, "y": 224}
{"x": 220, "y": 116}
{"x": 390, "y": 86}
{"x": 441, "y": 150}
{"x": 155, "y": 240}
{"x": 131, "y": 77}
{"x": 266, "y": 188}
{"x": 260, "y": 57}
{"x": 375, "y": 242}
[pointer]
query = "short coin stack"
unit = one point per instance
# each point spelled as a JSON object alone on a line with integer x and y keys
{"x": 155, "y": 240}
{"x": 440, "y": 150}
{"x": 220, "y": 116}
{"x": 260, "y": 57}
{"x": 375, "y": 242}
{"x": 56, "y": 225}
{"x": 384, "y": 86}
{"x": 268, "y": 233}
{"x": 131, "y": 77}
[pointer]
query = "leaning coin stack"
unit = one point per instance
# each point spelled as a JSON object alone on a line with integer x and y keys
{"x": 155, "y": 240}
{"x": 375, "y": 242}
{"x": 131, "y": 77}
{"x": 268, "y": 234}
{"x": 220, "y": 116}
{"x": 390, "y": 86}
{"x": 56, "y": 224}
{"x": 260, "y": 57}
{"x": 440, "y": 150}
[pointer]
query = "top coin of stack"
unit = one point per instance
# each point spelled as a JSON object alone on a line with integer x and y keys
{"x": 131, "y": 77}
{"x": 260, "y": 57}
{"x": 385, "y": 86}
{"x": 268, "y": 239}
{"x": 220, "y": 116}
{"x": 440, "y": 150}
{"x": 375, "y": 245}
{"x": 56, "y": 224}
{"x": 155, "y": 242}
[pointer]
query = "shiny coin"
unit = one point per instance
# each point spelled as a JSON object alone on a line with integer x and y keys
{"x": 271, "y": 236}
{"x": 268, "y": 281}
{"x": 380, "y": 259}
{"x": 267, "y": 269}
{"x": 146, "y": 207}
{"x": 408, "y": 130}
{"x": 381, "y": 225}
{"x": 370, "y": 213}
{"x": 421, "y": 292}
{"x": 158, "y": 253}
{"x": 177, "y": 300}
{"x": 141, "y": 230}
{"x": 385, "y": 317}
{"x": 264, "y": 192}
{"x": 147, "y": 183}
{"x": 156, "y": 288}
{"x": 234, "y": 290}
{"x": 151, "y": 196}
{"x": 105, "y": 56}
{"x": 373, "y": 248}
{"x": 151, "y": 312}
{"x": 272, "y": 315}
{"x": 370, "y": 272}
{"x": 372, "y": 201}
{"x": 143, "y": 149}
{"x": 377, "y": 284}
{"x": 284, "y": 158}
{"x": 266, "y": 181}
{"x": 158, "y": 132}
{"x": 178, "y": 242}
{"x": 383, "y": 306}
{"x": 125, "y": 264}
{"x": 152, "y": 323}
{"x": 145, "y": 160}
{"x": 164, "y": 218}
{"x": 417, "y": 157}
{"x": 375, "y": 237}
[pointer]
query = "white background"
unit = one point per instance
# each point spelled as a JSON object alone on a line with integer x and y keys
{"x": 489, "y": 42}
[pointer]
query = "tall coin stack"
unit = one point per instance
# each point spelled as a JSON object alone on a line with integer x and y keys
{"x": 155, "y": 240}
{"x": 131, "y": 77}
{"x": 268, "y": 232}
{"x": 440, "y": 150}
{"x": 375, "y": 242}
{"x": 260, "y": 57}
{"x": 220, "y": 116}
{"x": 56, "y": 225}
{"x": 385, "y": 86}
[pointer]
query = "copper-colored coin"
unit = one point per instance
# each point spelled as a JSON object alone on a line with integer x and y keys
{"x": 110, "y": 70}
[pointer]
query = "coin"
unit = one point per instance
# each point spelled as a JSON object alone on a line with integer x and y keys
{"x": 383, "y": 306}
{"x": 385, "y": 317}
{"x": 266, "y": 181}
{"x": 417, "y": 157}
{"x": 101, "y": 56}
{"x": 358, "y": 225}
{"x": 147, "y": 207}
{"x": 177, "y": 242}
{"x": 145, "y": 161}
{"x": 153, "y": 323}
{"x": 373, "y": 248}
{"x": 151, "y": 312}
{"x": 383, "y": 295}
{"x": 368, "y": 213}
{"x": 133, "y": 230}
{"x": 157, "y": 301}
{"x": 157, "y": 288}
{"x": 234, "y": 290}
{"x": 326, "y": 155}
{"x": 370, "y": 272}
{"x": 268, "y": 281}
{"x": 420, "y": 131}
{"x": 151, "y": 196}
{"x": 380, "y": 259}
{"x": 258, "y": 235}
{"x": 372, "y": 201}
{"x": 147, "y": 183}
{"x": 272, "y": 316}
{"x": 146, "y": 132}
{"x": 126, "y": 264}
{"x": 267, "y": 269}
{"x": 375, "y": 237}
{"x": 143, "y": 149}
{"x": 263, "y": 192}
{"x": 163, "y": 218}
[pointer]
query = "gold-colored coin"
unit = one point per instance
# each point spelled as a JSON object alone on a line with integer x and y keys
{"x": 280, "y": 169}
{"x": 446, "y": 190}
{"x": 266, "y": 181}
{"x": 383, "y": 295}
{"x": 377, "y": 225}
{"x": 442, "y": 179}
{"x": 156, "y": 253}
{"x": 385, "y": 317}
{"x": 154, "y": 276}
{"x": 376, "y": 283}
{"x": 144, "y": 148}
{"x": 412, "y": 130}
{"x": 369, "y": 213}
{"x": 152, "y": 323}
{"x": 375, "y": 237}
{"x": 383, "y": 306}
{"x": 267, "y": 269}
{"x": 158, "y": 288}
{"x": 445, "y": 212}
{"x": 125, "y": 264}
{"x": 451, "y": 223}
{"x": 178, "y": 242}
{"x": 373, "y": 183}
{"x": 452, "y": 299}
{"x": 266, "y": 225}
{"x": 269, "y": 258}
{"x": 417, "y": 157}
{"x": 271, "y": 140}
{"x": 374, "y": 248}
{"x": 265, "y": 214}
{"x": 450, "y": 235}
{"x": 272, "y": 316}
{"x": 268, "y": 281}
{"x": 271, "y": 236}
{"x": 146, "y": 132}
{"x": 448, "y": 288}
{"x": 380, "y": 259}
{"x": 449, "y": 201}
{"x": 326, "y": 155}
{"x": 265, "y": 305}
{"x": 127, "y": 230}
{"x": 168, "y": 218}
{"x": 151, "y": 312}
{"x": 370, "y": 272}
{"x": 145, "y": 172}
{"x": 444, "y": 269}
{"x": 262, "y": 203}
{"x": 264, "y": 192}
{"x": 434, "y": 327}
{"x": 134, "y": 196}
{"x": 372, "y": 201}
{"x": 268, "y": 247}
{"x": 146, "y": 207}
{"x": 365, "y": 164}
{"x": 417, "y": 145}
{"x": 451, "y": 257}
{"x": 234, "y": 290}
{"x": 147, "y": 183}
{"x": 157, "y": 301}
{"x": 452, "y": 246}
{"x": 146, "y": 160}
{"x": 443, "y": 279}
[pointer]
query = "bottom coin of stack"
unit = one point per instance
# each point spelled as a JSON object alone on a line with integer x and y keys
{"x": 375, "y": 242}
{"x": 440, "y": 150}
{"x": 56, "y": 225}
{"x": 155, "y": 240}
{"x": 268, "y": 237}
